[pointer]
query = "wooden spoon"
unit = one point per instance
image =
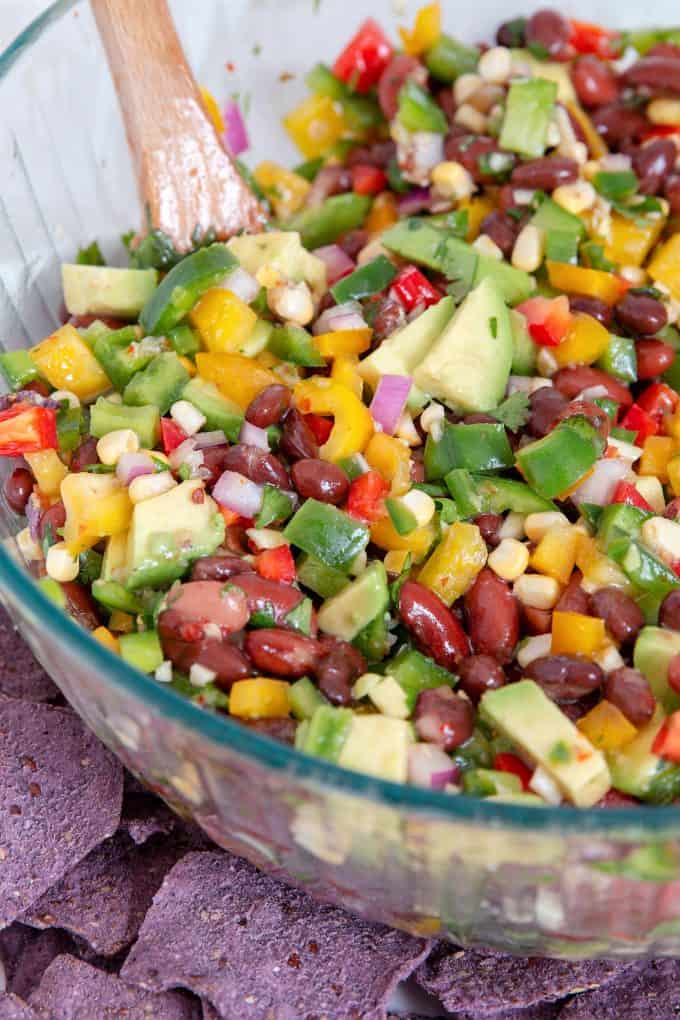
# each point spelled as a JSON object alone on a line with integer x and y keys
{"x": 187, "y": 181}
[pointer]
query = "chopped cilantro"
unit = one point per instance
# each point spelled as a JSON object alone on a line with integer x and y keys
{"x": 90, "y": 256}
{"x": 513, "y": 412}
{"x": 560, "y": 753}
{"x": 493, "y": 326}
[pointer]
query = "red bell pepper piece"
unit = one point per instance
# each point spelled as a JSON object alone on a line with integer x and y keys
{"x": 25, "y": 428}
{"x": 364, "y": 58}
{"x": 667, "y": 741}
{"x": 412, "y": 288}
{"x": 658, "y": 400}
{"x": 366, "y": 496}
{"x": 321, "y": 427}
{"x": 589, "y": 38}
{"x": 637, "y": 420}
{"x": 276, "y": 564}
{"x": 171, "y": 434}
{"x": 368, "y": 180}
{"x": 625, "y": 492}
{"x": 659, "y": 131}
{"x": 506, "y": 762}
{"x": 548, "y": 319}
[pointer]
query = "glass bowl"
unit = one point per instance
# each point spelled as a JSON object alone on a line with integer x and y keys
{"x": 553, "y": 881}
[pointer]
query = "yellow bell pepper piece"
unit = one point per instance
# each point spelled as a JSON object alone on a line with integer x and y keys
{"x": 121, "y": 622}
{"x": 96, "y": 506}
{"x": 236, "y": 377}
{"x": 48, "y": 470}
{"x": 213, "y": 110}
{"x": 629, "y": 243}
{"x": 353, "y": 425}
{"x": 597, "y": 569}
{"x": 345, "y": 371}
{"x": 576, "y": 634}
{"x": 106, "y": 638}
{"x": 223, "y": 321}
{"x": 315, "y": 125}
{"x": 392, "y": 460}
{"x": 396, "y": 560}
{"x": 65, "y": 360}
{"x": 592, "y": 282}
{"x": 656, "y": 454}
{"x": 477, "y": 209}
{"x": 665, "y": 266}
{"x": 586, "y": 341}
{"x": 188, "y": 364}
{"x": 674, "y": 475}
{"x": 115, "y": 556}
{"x": 596, "y": 144}
{"x": 555, "y": 554}
{"x": 383, "y": 214}
{"x": 285, "y": 190}
{"x": 259, "y": 698}
{"x": 606, "y": 727}
{"x": 426, "y": 30}
{"x": 343, "y": 341}
{"x": 456, "y": 561}
{"x": 417, "y": 542}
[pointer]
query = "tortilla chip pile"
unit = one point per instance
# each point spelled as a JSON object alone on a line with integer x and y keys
{"x": 110, "y": 906}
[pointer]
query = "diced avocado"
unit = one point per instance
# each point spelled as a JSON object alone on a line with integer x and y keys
{"x": 559, "y": 73}
{"x": 389, "y": 698}
{"x": 115, "y": 558}
{"x": 378, "y": 746}
{"x": 654, "y": 649}
{"x": 468, "y": 366}
{"x": 70, "y": 427}
{"x": 107, "y": 416}
{"x": 179, "y": 291}
{"x": 169, "y": 532}
{"x": 53, "y": 591}
{"x": 348, "y": 612}
{"x": 448, "y": 58}
{"x": 219, "y": 411}
{"x": 101, "y": 290}
{"x": 114, "y": 596}
{"x": 142, "y": 650}
{"x": 320, "y": 578}
{"x": 400, "y": 353}
{"x": 636, "y": 770}
{"x": 258, "y": 339}
{"x": 305, "y": 698}
{"x": 282, "y": 252}
{"x": 528, "y": 110}
{"x": 159, "y": 384}
{"x": 325, "y": 732}
{"x": 121, "y": 354}
{"x": 525, "y": 715}
{"x": 523, "y": 347}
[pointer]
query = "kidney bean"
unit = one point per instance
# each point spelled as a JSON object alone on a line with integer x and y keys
{"x": 548, "y": 30}
{"x": 434, "y": 627}
{"x": 37, "y": 386}
{"x": 341, "y": 664}
{"x": 50, "y": 521}
{"x": 672, "y": 192}
{"x": 214, "y": 461}
{"x": 226, "y": 660}
{"x": 448, "y": 104}
{"x": 574, "y": 599}
{"x": 478, "y": 674}
{"x": 269, "y": 596}
{"x": 261, "y": 467}
{"x": 220, "y": 567}
{"x": 571, "y": 382}
{"x": 545, "y": 173}
{"x": 511, "y": 33}
{"x": 269, "y": 406}
{"x": 490, "y": 525}
{"x": 400, "y": 69}
{"x": 565, "y": 677}
{"x": 618, "y": 123}
{"x": 629, "y": 690}
{"x": 501, "y": 229}
{"x": 443, "y": 717}
{"x": 467, "y": 149}
{"x": 544, "y": 406}
{"x": 282, "y": 652}
{"x": 653, "y": 358}
{"x": 674, "y": 673}
{"x": 353, "y": 242}
{"x": 507, "y": 199}
{"x": 641, "y": 314}
{"x": 18, "y": 487}
{"x": 653, "y": 163}
{"x": 378, "y": 154}
{"x": 297, "y": 440}
{"x": 672, "y": 511}
{"x": 318, "y": 479}
{"x": 282, "y": 730}
{"x": 236, "y": 541}
{"x": 669, "y": 613}
{"x": 84, "y": 455}
{"x": 208, "y": 602}
{"x": 597, "y": 417}
{"x": 536, "y": 621}
{"x": 622, "y": 616}
{"x": 591, "y": 306}
{"x": 80, "y": 604}
{"x": 614, "y": 799}
{"x": 660, "y": 73}
{"x": 594, "y": 81}
{"x": 493, "y": 616}
{"x": 390, "y": 316}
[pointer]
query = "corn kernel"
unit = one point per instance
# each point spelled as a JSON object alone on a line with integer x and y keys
{"x": 608, "y": 658}
{"x": 465, "y": 86}
{"x": 452, "y": 180}
{"x": 201, "y": 676}
{"x": 470, "y": 118}
{"x": 513, "y": 525}
{"x": 28, "y": 547}
{"x": 421, "y": 505}
{"x": 533, "y": 648}
{"x": 546, "y": 363}
{"x": 509, "y": 559}
{"x": 496, "y": 65}
{"x": 529, "y": 248}
{"x": 485, "y": 246}
{"x": 575, "y": 198}
{"x": 113, "y": 445}
{"x": 292, "y": 302}
{"x": 664, "y": 111}
{"x": 60, "y": 564}
{"x": 539, "y": 524}
{"x": 147, "y": 486}
{"x": 537, "y": 591}
{"x": 662, "y": 536}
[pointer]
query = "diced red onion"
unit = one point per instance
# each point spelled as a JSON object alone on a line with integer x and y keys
{"x": 235, "y": 134}
{"x": 181, "y": 452}
{"x": 426, "y": 150}
{"x": 413, "y": 202}
{"x": 430, "y": 767}
{"x": 526, "y": 384}
{"x": 389, "y": 401}
{"x": 599, "y": 487}
{"x": 33, "y": 515}
{"x": 238, "y": 493}
{"x": 338, "y": 263}
{"x": 330, "y": 180}
{"x": 345, "y": 316}
{"x": 132, "y": 465}
{"x": 203, "y": 440}
{"x": 251, "y": 435}
{"x": 242, "y": 284}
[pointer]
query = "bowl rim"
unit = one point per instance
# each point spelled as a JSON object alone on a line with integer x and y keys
{"x": 283, "y": 759}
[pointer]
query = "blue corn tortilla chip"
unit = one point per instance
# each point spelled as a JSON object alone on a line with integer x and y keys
{"x": 479, "y": 984}
{"x": 14, "y": 1008}
{"x": 255, "y": 948}
{"x": 21, "y": 676}
{"x": 145, "y": 816}
{"x": 73, "y": 990}
{"x": 26, "y": 955}
{"x": 61, "y": 796}
{"x": 545, "y": 1011}
{"x": 650, "y": 991}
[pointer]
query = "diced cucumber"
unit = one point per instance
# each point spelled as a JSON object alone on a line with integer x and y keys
{"x": 106, "y": 416}
{"x": 528, "y": 111}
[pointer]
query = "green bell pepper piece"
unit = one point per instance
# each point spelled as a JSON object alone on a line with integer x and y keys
{"x": 305, "y": 698}
{"x": 620, "y": 520}
{"x": 362, "y": 113}
{"x": 555, "y": 463}
{"x": 528, "y": 111}
{"x": 561, "y": 246}
{"x": 142, "y": 650}
{"x": 373, "y": 641}
{"x": 645, "y": 570}
{"x": 318, "y": 577}
{"x": 18, "y": 369}
{"x": 276, "y": 506}
{"x": 482, "y": 448}
{"x": 90, "y": 566}
{"x": 121, "y": 355}
{"x": 70, "y": 427}
{"x": 160, "y": 383}
{"x": 325, "y": 733}
{"x": 415, "y": 672}
{"x": 365, "y": 281}
{"x": 330, "y": 220}
{"x": 418, "y": 111}
{"x": 184, "y": 341}
{"x": 115, "y": 596}
{"x": 644, "y": 39}
{"x": 183, "y": 286}
{"x": 105, "y": 416}
{"x": 309, "y": 169}
{"x": 327, "y": 533}
{"x": 501, "y": 494}
{"x": 620, "y": 359}
{"x": 468, "y": 499}
{"x": 448, "y": 59}
{"x": 300, "y": 617}
{"x": 402, "y": 518}
{"x": 293, "y": 343}
{"x": 615, "y": 185}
